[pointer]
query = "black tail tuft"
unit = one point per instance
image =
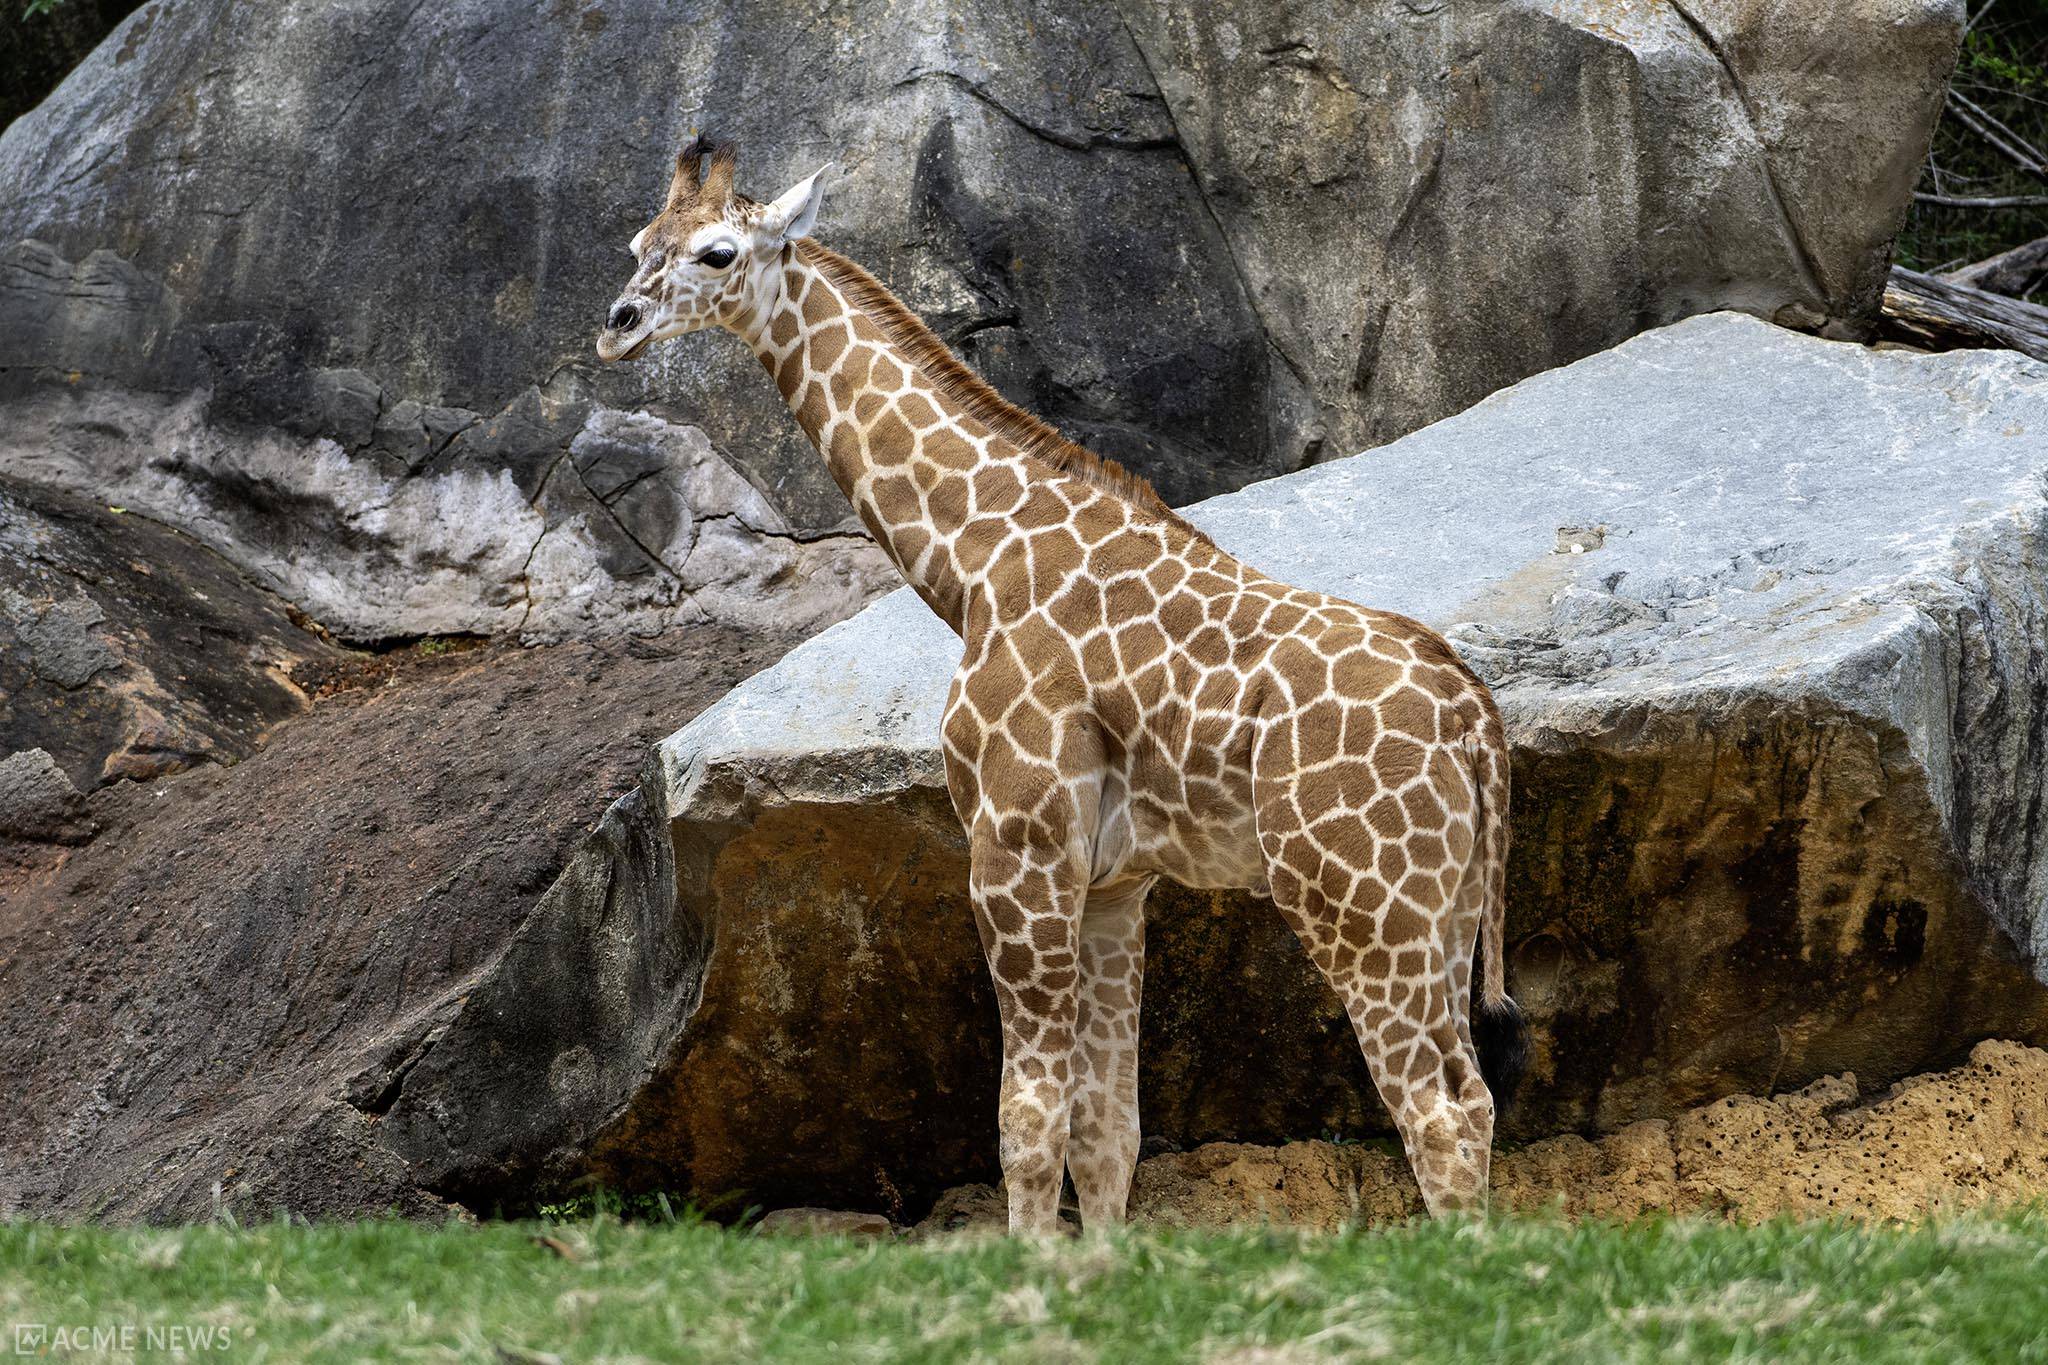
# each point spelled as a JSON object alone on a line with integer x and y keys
{"x": 1501, "y": 1034}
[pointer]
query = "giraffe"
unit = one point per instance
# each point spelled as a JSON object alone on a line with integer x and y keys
{"x": 1132, "y": 703}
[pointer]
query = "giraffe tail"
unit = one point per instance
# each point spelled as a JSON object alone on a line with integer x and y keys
{"x": 1500, "y": 1032}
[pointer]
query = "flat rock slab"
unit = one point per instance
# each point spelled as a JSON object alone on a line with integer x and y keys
{"x": 1765, "y": 614}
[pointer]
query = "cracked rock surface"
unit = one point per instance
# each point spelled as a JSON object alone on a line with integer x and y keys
{"x": 344, "y": 302}
{"x": 1765, "y": 614}
{"x": 130, "y": 650}
{"x": 554, "y": 518}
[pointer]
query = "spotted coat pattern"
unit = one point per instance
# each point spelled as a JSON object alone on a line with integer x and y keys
{"x": 1132, "y": 703}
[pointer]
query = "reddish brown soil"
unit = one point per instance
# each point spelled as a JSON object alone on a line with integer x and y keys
{"x": 302, "y": 914}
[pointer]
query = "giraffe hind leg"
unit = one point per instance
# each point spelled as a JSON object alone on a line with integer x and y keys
{"x": 1399, "y": 957}
{"x": 1420, "y": 1053}
{"x": 1102, "y": 1148}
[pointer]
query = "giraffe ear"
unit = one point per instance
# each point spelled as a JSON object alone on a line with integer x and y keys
{"x": 639, "y": 240}
{"x": 795, "y": 211}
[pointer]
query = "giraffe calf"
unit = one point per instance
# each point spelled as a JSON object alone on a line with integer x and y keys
{"x": 1132, "y": 703}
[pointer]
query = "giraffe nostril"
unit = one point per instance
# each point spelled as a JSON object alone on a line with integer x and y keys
{"x": 624, "y": 316}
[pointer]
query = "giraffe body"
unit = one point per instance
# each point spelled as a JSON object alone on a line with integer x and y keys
{"x": 1132, "y": 702}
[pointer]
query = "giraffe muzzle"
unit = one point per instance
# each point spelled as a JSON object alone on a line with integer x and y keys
{"x": 626, "y": 332}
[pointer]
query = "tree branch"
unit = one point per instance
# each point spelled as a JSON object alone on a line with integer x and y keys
{"x": 2010, "y": 201}
{"x": 1979, "y": 121}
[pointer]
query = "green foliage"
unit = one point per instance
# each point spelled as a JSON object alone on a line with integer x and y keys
{"x": 36, "y": 7}
{"x": 1987, "y": 59}
{"x": 2003, "y": 73}
{"x": 1955, "y": 1290}
{"x": 631, "y": 1208}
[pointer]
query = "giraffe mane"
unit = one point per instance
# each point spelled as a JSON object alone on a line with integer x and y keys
{"x": 1037, "y": 439}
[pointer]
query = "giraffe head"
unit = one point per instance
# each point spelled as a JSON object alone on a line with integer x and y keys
{"x": 710, "y": 257}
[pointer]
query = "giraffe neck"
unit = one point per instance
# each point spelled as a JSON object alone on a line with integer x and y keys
{"x": 929, "y": 471}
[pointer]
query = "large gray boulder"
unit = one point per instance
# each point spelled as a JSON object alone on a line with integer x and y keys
{"x": 1765, "y": 614}
{"x": 317, "y": 281}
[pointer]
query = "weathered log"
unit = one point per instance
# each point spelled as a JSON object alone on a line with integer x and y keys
{"x": 1974, "y": 201}
{"x": 1932, "y": 312}
{"x": 2017, "y": 272}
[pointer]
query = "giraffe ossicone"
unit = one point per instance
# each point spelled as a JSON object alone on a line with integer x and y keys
{"x": 1131, "y": 703}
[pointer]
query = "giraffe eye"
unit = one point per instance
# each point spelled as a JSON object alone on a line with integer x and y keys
{"x": 718, "y": 258}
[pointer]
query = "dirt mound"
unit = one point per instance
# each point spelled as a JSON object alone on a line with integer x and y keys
{"x": 221, "y": 990}
{"x": 1974, "y": 1135}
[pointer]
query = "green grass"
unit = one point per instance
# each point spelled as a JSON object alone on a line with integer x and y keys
{"x": 1972, "y": 1288}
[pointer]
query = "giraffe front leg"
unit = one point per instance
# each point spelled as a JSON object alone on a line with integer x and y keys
{"x": 1103, "y": 1138}
{"x": 1028, "y": 908}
